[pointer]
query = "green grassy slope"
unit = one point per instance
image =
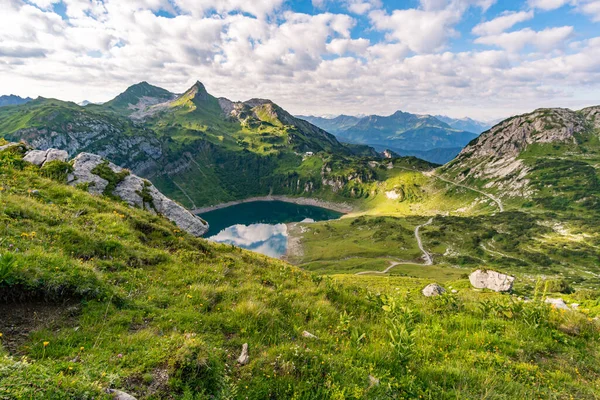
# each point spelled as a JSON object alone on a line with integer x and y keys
{"x": 96, "y": 294}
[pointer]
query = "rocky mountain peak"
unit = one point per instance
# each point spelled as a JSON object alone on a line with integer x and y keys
{"x": 498, "y": 157}
{"x": 509, "y": 138}
{"x": 197, "y": 92}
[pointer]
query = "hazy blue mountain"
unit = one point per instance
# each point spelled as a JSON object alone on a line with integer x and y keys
{"x": 437, "y": 156}
{"x": 406, "y": 134}
{"x": 12, "y": 100}
{"x": 332, "y": 125}
{"x": 466, "y": 124}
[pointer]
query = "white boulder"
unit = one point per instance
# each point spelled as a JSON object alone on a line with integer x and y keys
{"x": 41, "y": 157}
{"x": 244, "y": 358}
{"x": 487, "y": 279}
{"x": 308, "y": 335}
{"x": 433, "y": 290}
{"x": 557, "y": 303}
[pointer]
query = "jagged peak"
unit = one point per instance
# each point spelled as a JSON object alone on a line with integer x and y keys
{"x": 196, "y": 93}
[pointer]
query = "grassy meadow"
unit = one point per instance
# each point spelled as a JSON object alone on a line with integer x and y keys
{"x": 99, "y": 295}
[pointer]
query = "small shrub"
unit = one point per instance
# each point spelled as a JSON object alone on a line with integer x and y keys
{"x": 57, "y": 170}
{"x": 196, "y": 368}
{"x": 559, "y": 286}
{"x": 8, "y": 263}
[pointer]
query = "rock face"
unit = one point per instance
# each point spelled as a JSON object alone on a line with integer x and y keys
{"x": 132, "y": 189}
{"x": 41, "y": 157}
{"x": 494, "y": 156}
{"x": 491, "y": 280}
{"x": 433, "y": 290}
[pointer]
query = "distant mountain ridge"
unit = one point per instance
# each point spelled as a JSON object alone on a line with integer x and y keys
{"x": 404, "y": 133}
{"x": 466, "y": 124}
{"x": 12, "y": 100}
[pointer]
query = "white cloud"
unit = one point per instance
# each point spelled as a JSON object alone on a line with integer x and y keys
{"x": 548, "y": 4}
{"x": 363, "y": 6}
{"x": 422, "y": 31}
{"x": 546, "y": 40}
{"x": 306, "y": 63}
{"x": 502, "y": 23}
{"x": 345, "y": 46}
{"x": 592, "y": 9}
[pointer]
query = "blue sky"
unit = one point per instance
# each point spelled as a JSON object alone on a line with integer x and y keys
{"x": 481, "y": 58}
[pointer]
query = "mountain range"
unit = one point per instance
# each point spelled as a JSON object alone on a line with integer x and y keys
{"x": 11, "y": 100}
{"x": 188, "y": 142}
{"x": 435, "y": 139}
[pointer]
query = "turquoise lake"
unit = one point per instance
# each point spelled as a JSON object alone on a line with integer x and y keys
{"x": 260, "y": 226}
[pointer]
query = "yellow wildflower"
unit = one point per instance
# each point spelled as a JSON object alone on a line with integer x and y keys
{"x": 46, "y": 344}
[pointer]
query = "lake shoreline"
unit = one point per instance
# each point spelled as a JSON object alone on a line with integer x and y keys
{"x": 343, "y": 208}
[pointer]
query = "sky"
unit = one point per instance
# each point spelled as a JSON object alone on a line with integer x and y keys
{"x": 485, "y": 59}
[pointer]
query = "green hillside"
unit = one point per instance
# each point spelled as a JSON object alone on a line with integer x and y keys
{"x": 98, "y": 295}
{"x": 198, "y": 149}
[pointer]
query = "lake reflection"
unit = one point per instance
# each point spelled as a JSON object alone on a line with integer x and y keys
{"x": 267, "y": 239}
{"x": 260, "y": 226}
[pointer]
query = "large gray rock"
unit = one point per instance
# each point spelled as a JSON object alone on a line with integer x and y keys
{"x": 136, "y": 192}
{"x": 56, "y": 155}
{"x": 433, "y": 290}
{"x": 492, "y": 280}
{"x": 83, "y": 165}
{"x": 41, "y": 157}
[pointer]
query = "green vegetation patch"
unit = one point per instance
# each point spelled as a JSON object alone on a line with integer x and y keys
{"x": 105, "y": 172}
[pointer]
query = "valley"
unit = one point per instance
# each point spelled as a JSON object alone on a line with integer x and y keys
{"x": 154, "y": 310}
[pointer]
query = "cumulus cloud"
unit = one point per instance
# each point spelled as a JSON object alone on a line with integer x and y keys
{"x": 502, "y": 23}
{"x": 592, "y": 9}
{"x": 546, "y": 40}
{"x": 548, "y": 4}
{"x": 422, "y": 31}
{"x": 306, "y": 63}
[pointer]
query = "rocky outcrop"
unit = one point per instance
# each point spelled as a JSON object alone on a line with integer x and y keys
{"x": 103, "y": 136}
{"x": 12, "y": 145}
{"x": 433, "y": 290}
{"x": 82, "y": 174}
{"x": 494, "y": 156}
{"x": 41, "y": 157}
{"x": 592, "y": 115}
{"x": 482, "y": 279}
{"x": 132, "y": 189}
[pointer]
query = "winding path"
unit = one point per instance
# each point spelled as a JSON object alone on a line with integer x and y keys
{"x": 489, "y": 196}
{"x": 426, "y": 256}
